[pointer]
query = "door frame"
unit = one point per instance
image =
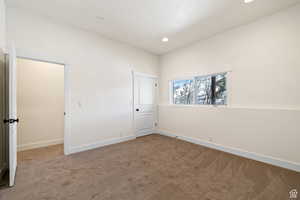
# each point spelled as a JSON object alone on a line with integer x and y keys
{"x": 133, "y": 74}
{"x": 67, "y": 93}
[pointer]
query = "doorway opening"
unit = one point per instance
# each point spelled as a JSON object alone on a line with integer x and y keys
{"x": 40, "y": 103}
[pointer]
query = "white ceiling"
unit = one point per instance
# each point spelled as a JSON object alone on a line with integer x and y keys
{"x": 142, "y": 23}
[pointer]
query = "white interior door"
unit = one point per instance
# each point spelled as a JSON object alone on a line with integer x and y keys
{"x": 145, "y": 103}
{"x": 12, "y": 108}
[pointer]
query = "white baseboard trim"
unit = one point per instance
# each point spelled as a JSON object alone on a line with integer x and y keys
{"x": 95, "y": 145}
{"x": 146, "y": 133}
{"x": 254, "y": 156}
{"x": 40, "y": 144}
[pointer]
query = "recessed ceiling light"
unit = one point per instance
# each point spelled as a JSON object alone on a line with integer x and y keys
{"x": 99, "y": 18}
{"x": 165, "y": 39}
{"x": 248, "y": 1}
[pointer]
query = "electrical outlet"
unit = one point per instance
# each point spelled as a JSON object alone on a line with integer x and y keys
{"x": 210, "y": 139}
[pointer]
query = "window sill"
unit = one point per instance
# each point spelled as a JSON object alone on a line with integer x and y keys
{"x": 288, "y": 108}
{"x": 195, "y": 105}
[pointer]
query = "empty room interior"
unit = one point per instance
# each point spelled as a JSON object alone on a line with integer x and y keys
{"x": 150, "y": 100}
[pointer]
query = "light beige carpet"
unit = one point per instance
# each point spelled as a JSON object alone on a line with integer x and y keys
{"x": 148, "y": 168}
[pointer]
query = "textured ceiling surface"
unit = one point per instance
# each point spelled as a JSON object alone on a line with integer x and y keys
{"x": 143, "y": 23}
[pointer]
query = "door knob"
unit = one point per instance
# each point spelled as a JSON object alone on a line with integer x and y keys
{"x": 137, "y": 110}
{"x": 11, "y": 121}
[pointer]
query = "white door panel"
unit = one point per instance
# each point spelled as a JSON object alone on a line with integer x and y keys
{"x": 146, "y": 108}
{"x": 144, "y": 123}
{"x": 12, "y": 100}
{"x": 146, "y": 91}
{"x": 145, "y": 104}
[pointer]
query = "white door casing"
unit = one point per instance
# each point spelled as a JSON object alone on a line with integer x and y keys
{"x": 145, "y": 103}
{"x": 67, "y": 91}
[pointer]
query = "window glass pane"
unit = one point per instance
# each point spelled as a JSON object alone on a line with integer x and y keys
{"x": 183, "y": 91}
{"x": 203, "y": 90}
{"x": 220, "y": 90}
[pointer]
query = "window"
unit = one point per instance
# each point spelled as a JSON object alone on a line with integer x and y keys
{"x": 183, "y": 91}
{"x": 220, "y": 90}
{"x": 202, "y": 90}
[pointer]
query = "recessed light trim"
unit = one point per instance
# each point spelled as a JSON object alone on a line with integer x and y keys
{"x": 248, "y": 1}
{"x": 165, "y": 39}
{"x": 99, "y": 18}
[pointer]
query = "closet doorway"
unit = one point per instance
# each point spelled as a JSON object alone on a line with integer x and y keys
{"x": 40, "y": 103}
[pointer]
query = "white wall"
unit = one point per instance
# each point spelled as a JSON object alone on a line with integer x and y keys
{"x": 264, "y": 108}
{"x": 40, "y": 102}
{"x": 99, "y": 73}
{"x": 2, "y": 25}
